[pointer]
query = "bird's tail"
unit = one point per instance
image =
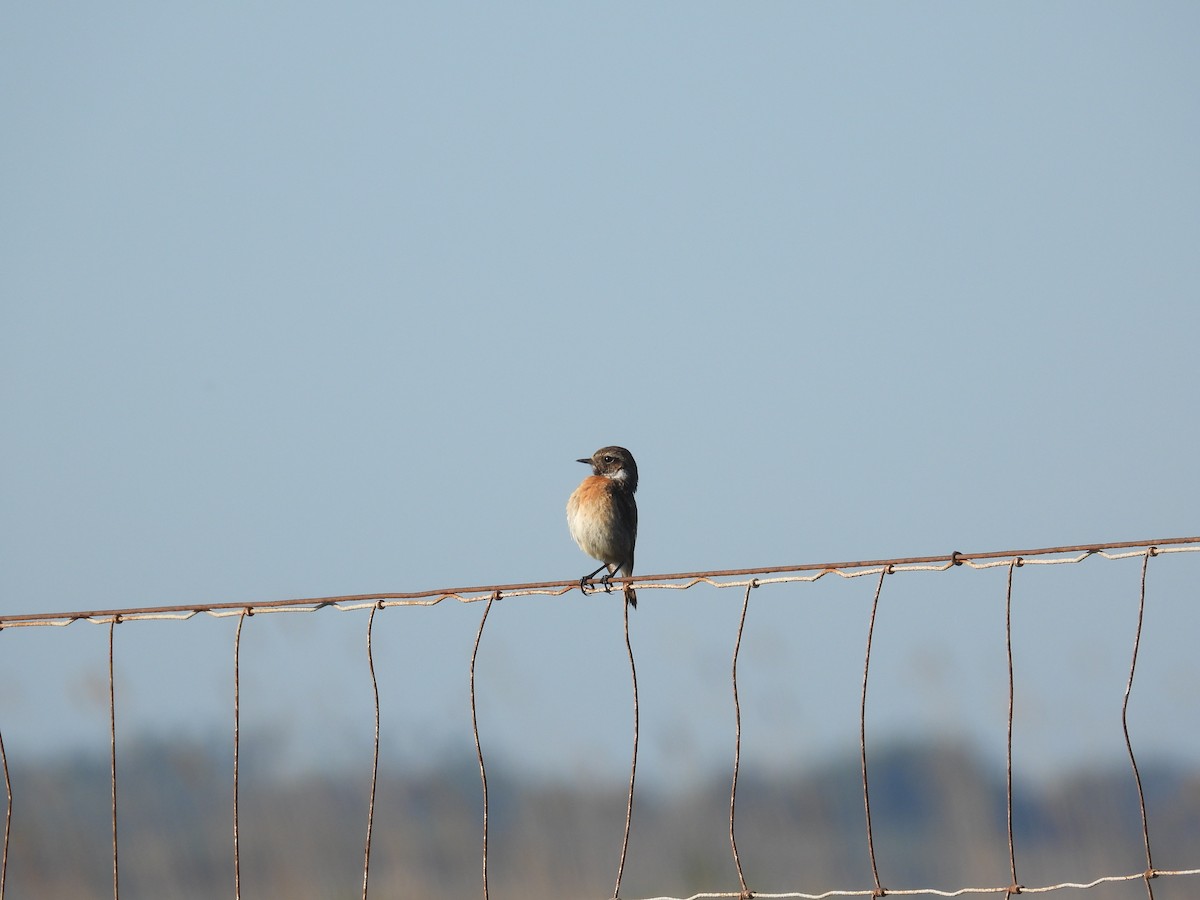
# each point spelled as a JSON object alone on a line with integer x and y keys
{"x": 631, "y": 596}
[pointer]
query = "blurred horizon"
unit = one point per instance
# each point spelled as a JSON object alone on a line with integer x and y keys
{"x": 938, "y": 818}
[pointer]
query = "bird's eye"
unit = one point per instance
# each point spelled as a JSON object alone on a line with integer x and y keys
{"x": 610, "y": 459}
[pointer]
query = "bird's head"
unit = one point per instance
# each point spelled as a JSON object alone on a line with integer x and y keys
{"x": 615, "y": 463}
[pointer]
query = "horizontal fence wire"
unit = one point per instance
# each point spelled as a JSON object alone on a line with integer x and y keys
{"x": 480, "y": 593}
{"x": 927, "y": 892}
{"x": 749, "y": 579}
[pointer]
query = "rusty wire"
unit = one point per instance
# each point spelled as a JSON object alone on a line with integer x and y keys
{"x": 237, "y": 859}
{"x": 479, "y": 593}
{"x": 7, "y": 817}
{"x": 862, "y": 735}
{"x": 737, "y": 742}
{"x": 1137, "y": 777}
{"x": 478, "y": 747}
{"x": 374, "y": 757}
{"x": 633, "y": 764}
{"x": 1014, "y": 887}
{"x": 112, "y": 734}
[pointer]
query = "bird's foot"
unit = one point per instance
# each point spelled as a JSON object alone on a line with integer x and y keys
{"x": 586, "y": 581}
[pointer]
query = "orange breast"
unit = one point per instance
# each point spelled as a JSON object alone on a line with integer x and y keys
{"x": 594, "y": 517}
{"x": 593, "y": 489}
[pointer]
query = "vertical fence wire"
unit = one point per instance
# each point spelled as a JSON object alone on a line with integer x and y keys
{"x": 737, "y": 740}
{"x": 478, "y": 747}
{"x": 1014, "y": 886}
{"x": 862, "y": 732}
{"x": 1137, "y": 638}
{"x": 633, "y": 764}
{"x": 7, "y": 818}
{"x": 374, "y": 758}
{"x": 237, "y": 859}
{"x": 112, "y": 735}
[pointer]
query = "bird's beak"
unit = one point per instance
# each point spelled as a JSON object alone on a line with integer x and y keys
{"x": 586, "y": 462}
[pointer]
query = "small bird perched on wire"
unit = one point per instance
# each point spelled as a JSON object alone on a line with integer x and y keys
{"x": 602, "y": 515}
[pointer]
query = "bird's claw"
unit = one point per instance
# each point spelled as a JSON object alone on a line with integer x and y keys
{"x": 587, "y": 581}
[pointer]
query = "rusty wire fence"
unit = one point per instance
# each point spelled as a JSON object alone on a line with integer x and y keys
{"x": 747, "y": 581}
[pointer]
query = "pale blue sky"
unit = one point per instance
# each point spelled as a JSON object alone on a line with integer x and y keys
{"x": 305, "y": 299}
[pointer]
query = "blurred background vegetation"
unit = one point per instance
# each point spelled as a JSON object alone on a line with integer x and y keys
{"x": 938, "y": 812}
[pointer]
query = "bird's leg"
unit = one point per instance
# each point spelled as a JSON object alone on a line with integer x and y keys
{"x": 607, "y": 579}
{"x": 582, "y": 586}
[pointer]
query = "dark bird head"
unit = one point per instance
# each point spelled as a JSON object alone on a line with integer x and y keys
{"x": 615, "y": 463}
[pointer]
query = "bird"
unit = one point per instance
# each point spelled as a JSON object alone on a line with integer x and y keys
{"x": 603, "y": 517}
